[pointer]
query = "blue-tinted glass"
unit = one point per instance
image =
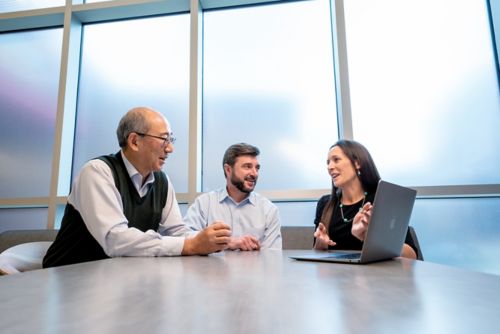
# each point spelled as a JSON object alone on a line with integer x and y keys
{"x": 424, "y": 90}
{"x": 268, "y": 81}
{"x": 59, "y": 216}
{"x": 495, "y": 17}
{"x": 297, "y": 213}
{"x": 460, "y": 232}
{"x": 29, "y": 77}
{"x": 23, "y": 219}
{"x": 184, "y": 207}
{"x": 127, "y": 64}
{"x": 15, "y": 5}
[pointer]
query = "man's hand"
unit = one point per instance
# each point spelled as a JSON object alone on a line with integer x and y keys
{"x": 244, "y": 243}
{"x": 212, "y": 239}
{"x": 361, "y": 221}
{"x": 322, "y": 238}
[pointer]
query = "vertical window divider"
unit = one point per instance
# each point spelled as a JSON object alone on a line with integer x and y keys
{"x": 195, "y": 100}
{"x": 66, "y": 112}
{"x": 341, "y": 70}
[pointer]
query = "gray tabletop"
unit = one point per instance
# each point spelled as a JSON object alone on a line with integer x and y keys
{"x": 249, "y": 292}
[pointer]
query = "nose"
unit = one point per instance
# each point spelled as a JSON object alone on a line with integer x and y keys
{"x": 330, "y": 167}
{"x": 169, "y": 148}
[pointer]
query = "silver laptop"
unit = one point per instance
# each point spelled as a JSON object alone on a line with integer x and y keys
{"x": 386, "y": 232}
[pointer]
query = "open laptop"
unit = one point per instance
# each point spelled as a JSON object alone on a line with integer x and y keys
{"x": 386, "y": 232}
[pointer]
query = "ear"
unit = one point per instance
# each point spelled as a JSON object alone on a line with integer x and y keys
{"x": 227, "y": 169}
{"x": 357, "y": 165}
{"x": 133, "y": 141}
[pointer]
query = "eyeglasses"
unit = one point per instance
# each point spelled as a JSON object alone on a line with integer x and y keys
{"x": 166, "y": 140}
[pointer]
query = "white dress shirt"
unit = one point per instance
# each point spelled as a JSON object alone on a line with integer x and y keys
{"x": 96, "y": 198}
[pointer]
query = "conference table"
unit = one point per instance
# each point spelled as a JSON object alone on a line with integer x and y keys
{"x": 249, "y": 292}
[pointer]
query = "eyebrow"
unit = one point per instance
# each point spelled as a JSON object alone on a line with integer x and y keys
{"x": 166, "y": 133}
{"x": 251, "y": 164}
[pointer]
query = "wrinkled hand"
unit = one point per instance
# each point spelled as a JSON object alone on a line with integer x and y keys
{"x": 322, "y": 238}
{"x": 361, "y": 221}
{"x": 244, "y": 243}
{"x": 212, "y": 239}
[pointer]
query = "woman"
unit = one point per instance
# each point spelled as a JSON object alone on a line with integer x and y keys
{"x": 342, "y": 217}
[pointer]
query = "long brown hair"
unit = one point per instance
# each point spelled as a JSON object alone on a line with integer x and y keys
{"x": 369, "y": 176}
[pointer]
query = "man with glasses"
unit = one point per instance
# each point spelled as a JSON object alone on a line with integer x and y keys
{"x": 124, "y": 205}
{"x": 254, "y": 220}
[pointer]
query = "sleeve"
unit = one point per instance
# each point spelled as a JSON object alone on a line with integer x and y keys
{"x": 171, "y": 223}
{"x": 272, "y": 234}
{"x": 98, "y": 200}
{"x": 196, "y": 216}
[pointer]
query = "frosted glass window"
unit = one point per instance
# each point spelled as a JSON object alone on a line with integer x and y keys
{"x": 23, "y": 219}
{"x": 424, "y": 89}
{"x": 29, "y": 78}
{"x": 16, "y": 5}
{"x": 127, "y": 64}
{"x": 495, "y": 17}
{"x": 59, "y": 215}
{"x": 297, "y": 213}
{"x": 184, "y": 207}
{"x": 461, "y": 232}
{"x": 268, "y": 81}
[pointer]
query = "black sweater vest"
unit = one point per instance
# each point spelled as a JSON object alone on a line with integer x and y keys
{"x": 75, "y": 244}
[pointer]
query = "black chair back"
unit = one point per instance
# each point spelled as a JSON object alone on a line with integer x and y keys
{"x": 413, "y": 235}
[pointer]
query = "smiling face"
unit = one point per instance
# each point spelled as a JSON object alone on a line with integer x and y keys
{"x": 243, "y": 175}
{"x": 147, "y": 152}
{"x": 155, "y": 151}
{"x": 340, "y": 168}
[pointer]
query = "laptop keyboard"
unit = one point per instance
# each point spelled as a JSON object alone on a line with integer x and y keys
{"x": 346, "y": 256}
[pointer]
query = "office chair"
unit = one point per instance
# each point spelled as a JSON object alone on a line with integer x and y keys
{"x": 23, "y": 257}
{"x": 23, "y": 250}
{"x": 414, "y": 238}
{"x": 297, "y": 237}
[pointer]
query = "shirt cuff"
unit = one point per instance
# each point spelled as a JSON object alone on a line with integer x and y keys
{"x": 172, "y": 246}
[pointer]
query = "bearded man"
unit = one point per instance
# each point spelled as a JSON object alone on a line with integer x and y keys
{"x": 253, "y": 219}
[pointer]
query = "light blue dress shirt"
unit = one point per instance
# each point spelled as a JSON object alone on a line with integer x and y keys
{"x": 255, "y": 215}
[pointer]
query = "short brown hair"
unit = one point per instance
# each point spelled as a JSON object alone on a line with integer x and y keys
{"x": 236, "y": 150}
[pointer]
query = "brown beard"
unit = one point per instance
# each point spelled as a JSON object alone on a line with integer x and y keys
{"x": 239, "y": 184}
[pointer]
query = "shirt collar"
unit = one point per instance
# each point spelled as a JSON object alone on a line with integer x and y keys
{"x": 134, "y": 173}
{"x": 223, "y": 196}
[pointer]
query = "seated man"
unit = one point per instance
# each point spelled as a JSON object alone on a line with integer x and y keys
{"x": 254, "y": 220}
{"x": 124, "y": 205}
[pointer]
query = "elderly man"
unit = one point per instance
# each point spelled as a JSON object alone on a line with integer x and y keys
{"x": 124, "y": 205}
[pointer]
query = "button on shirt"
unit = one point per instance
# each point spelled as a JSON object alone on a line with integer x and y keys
{"x": 96, "y": 197}
{"x": 255, "y": 215}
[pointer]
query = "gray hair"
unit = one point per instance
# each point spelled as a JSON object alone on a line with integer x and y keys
{"x": 133, "y": 121}
{"x": 237, "y": 150}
